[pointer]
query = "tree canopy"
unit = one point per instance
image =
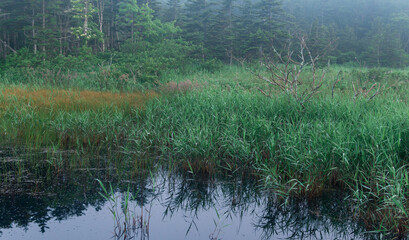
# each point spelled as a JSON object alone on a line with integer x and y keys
{"x": 372, "y": 31}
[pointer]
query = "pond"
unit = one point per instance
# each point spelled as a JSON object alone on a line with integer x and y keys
{"x": 164, "y": 204}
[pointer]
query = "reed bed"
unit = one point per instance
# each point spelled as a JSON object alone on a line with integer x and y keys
{"x": 358, "y": 146}
{"x": 340, "y": 139}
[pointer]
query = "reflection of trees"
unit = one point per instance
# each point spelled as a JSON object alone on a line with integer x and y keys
{"x": 192, "y": 194}
{"x": 308, "y": 219}
{"x": 57, "y": 202}
{"x": 187, "y": 194}
{"x": 23, "y": 210}
{"x": 67, "y": 196}
{"x": 297, "y": 219}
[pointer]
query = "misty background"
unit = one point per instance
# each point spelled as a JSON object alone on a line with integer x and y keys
{"x": 363, "y": 32}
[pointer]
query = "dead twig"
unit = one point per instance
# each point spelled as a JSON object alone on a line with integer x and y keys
{"x": 335, "y": 83}
{"x": 8, "y": 46}
{"x": 286, "y": 71}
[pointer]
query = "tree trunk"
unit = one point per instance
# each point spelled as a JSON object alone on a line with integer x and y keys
{"x": 2, "y": 50}
{"x": 5, "y": 45}
{"x": 230, "y": 32}
{"x": 66, "y": 49}
{"x": 108, "y": 42}
{"x": 34, "y": 33}
{"x": 132, "y": 26}
{"x": 43, "y": 26}
{"x": 112, "y": 28}
{"x": 101, "y": 7}
{"x": 61, "y": 32}
{"x": 85, "y": 30}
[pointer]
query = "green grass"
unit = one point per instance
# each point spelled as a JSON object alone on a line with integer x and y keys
{"x": 224, "y": 124}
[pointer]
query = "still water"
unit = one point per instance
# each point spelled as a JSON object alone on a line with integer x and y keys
{"x": 167, "y": 205}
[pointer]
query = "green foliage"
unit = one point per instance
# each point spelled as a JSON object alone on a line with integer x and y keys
{"x": 173, "y": 11}
{"x": 226, "y": 124}
{"x": 153, "y": 49}
{"x": 85, "y": 29}
{"x": 24, "y": 58}
{"x": 146, "y": 61}
{"x": 269, "y": 21}
{"x": 374, "y": 33}
{"x": 380, "y": 75}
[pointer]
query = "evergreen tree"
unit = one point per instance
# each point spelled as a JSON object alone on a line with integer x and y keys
{"x": 320, "y": 37}
{"x": 269, "y": 23}
{"x": 128, "y": 10}
{"x": 400, "y": 23}
{"x": 384, "y": 46}
{"x": 245, "y": 30}
{"x": 173, "y": 11}
{"x": 224, "y": 34}
{"x": 196, "y": 24}
{"x": 12, "y": 21}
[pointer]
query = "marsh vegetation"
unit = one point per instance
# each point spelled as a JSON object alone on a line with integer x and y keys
{"x": 224, "y": 125}
{"x": 115, "y": 91}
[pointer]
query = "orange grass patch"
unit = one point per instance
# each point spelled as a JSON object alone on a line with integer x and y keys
{"x": 71, "y": 100}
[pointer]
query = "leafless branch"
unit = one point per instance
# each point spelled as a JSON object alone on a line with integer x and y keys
{"x": 335, "y": 83}
{"x": 285, "y": 71}
{"x": 8, "y": 46}
{"x": 375, "y": 94}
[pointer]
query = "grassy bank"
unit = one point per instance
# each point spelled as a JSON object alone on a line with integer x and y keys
{"x": 221, "y": 121}
{"x": 38, "y": 118}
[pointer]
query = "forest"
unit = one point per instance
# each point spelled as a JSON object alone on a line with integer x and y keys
{"x": 294, "y": 100}
{"x": 370, "y": 32}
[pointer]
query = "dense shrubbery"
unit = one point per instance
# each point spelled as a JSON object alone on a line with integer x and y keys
{"x": 138, "y": 63}
{"x": 135, "y": 64}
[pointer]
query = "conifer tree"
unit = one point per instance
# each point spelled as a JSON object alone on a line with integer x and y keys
{"x": 172, "y": 12}
{"x": 246, "y": 29}
{"x": 269, "y": 21}
{"x": 196, "y": 24}
{"x": 224, "y": 36}
{"x": 12, "y": 21}
{"x": 128, "y": 10}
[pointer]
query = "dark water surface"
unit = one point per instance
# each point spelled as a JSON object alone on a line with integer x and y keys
{"x": 165, "y": 205}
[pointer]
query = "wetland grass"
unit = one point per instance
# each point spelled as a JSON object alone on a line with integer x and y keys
{"x": 73, "y": 100}
{"x": 339, "y": 141}
{"x": 347, "y": 141}
{"x": 66, "y": 118}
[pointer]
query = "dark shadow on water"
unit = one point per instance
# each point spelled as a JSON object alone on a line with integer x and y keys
{"x": 195, "y": 207}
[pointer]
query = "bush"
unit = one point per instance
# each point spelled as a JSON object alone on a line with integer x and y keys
{"x": 146, "y": 61}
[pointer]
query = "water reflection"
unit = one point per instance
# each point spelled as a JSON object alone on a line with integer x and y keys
{"x": 324, "y": 218}
{"x": 175, "y": 206}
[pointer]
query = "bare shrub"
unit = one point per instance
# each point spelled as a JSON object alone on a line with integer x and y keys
{"x": 367, "y": 89}
{"x": 285, "y": 71}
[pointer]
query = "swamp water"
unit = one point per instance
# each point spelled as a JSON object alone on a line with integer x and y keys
{"x": 53, "y": 204}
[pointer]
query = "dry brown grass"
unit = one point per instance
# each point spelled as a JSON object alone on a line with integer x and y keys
{"x": 72, "y": 100}
{"x": 181, "y": 87}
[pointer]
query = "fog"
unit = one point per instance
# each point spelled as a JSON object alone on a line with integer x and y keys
{"x": 373, "y": 32}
